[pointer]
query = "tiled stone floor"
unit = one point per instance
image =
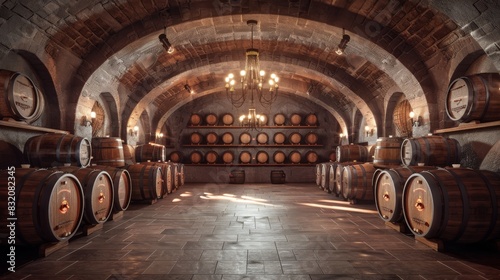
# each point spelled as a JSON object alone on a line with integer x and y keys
{"x": 255, "y": 231}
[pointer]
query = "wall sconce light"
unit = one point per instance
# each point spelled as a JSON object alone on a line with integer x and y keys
{"x": 343, "y": 43}
{"x": 368, "y": 131}
{"x": 134, "y": 131}
{"x": 88, "y": 122}
{"x": 415, "y": 121}
{"x": 164, "y": 41}
{"x": 159, "y": 135}
{"x": 188, "y": 89}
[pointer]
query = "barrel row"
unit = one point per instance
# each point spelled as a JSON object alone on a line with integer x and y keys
{"x": 227, "y": 138}
{"x": 228, "y": 119}
{"x": 228, "y": 157}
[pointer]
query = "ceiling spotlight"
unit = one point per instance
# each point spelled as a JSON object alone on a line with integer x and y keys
{"x": 343, "y": 43}
{"x": 188, "y": 89}
{"x": 164, "y": 41}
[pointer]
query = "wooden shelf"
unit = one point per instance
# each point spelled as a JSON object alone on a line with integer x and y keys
{"x": 20, "y": 125}
{"x": 467, "y": 126}
{"x": 252, "y": 164}
{"x": 252, "y": 146}
{"x": 262, "y": 127}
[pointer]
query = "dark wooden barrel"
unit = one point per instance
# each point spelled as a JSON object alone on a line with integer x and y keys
{"x": 51, "y": 149}
{"x": 295, "y": 119}
{"x": 227, "y": 119}
{"x": 98, "y": 193}
{"x": 245, "y": 138}
{"x": 357, "y": 182}
{"x": 237, "y": 177}
{"x": 195, "y": 119}
{"x": 332, "y": 156}
{"x": 430, "y": 150}
{"x": 196, "y": 138}
{"x": 108, "y": 151}
{"x": 176, "y": 156}
{"x": 339, "y": 170}
{"x": 167, "y": 174}
{"x": 262, "y": 157}
{"x": 279, "y": 119}
{"x": 311, "y": 138}
{"x": 387, "y": 152}
{"x": 311, "y": 157}
{"x": 212, "y": 138}
{"x": 278, "y": 177}
{"x": 318, "y": 174}
{"x": 147, "y": 182}
{"x": 211, "y": 119}
{"x": 295, "y": 157}
{"x": 388, "y": 187}
{"x": 128, "y": 153}
{"x": 295, "y": 138}
{"x": 401, "y": 118}
{"x": 211, "y": 157}
{"x": 11, "y": 155}
{"x": 49, "y": 205}
{"x": 122, "y": 186}
{"x": 150, "y": 151}
{"x": 262, "y": 138}
{"x": 245, "y": 157}
{"x": 346, "y": 153}
{"x": 227, "y": 157}
{"x": 311, "y": 120}
{"x": 457, "y": 205}
{"x": 227, "y": 138}
{"x": 474, "y": 98}
{"x": 279, "y": 157}
{"x": 196, "y": 157}
{"x": 19, "y": 97}
{"x": 279, "y": 138}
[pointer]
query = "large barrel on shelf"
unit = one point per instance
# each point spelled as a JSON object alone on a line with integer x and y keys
{"x": 357, "y": 182}
{"x": 211, "y": 119}
{"x": 262, "y": 138}
{"x": 245, "y": 157}
{"x": 388, "y": 187}
{"x": 108, "y": 151}
{"x": 227, "y": 157}
{"x": 51, "y": 149}
{"x": 98, "y": 193}
{"x": 311, "y": 120}
{"x": 262, "y": 157}
{"x": 227, "y": 138}
{"x": 227, "y": 119}
{"x": 196, "y": 138}
{"x": 147, "y": 181}
{"x": 431, "y": 150}
{"x": 279, "y": 119}
{"x": 311, "y": 138}
{"x": 295, "y": 138}
{"x": 474, "y": 98}
{"x": 295, "y": 157}
{"x": 150, "y": 151}
{"x": 387, "y": 152}
{"x": 195, "y": 119}
{"x": 279, "y": 157}
{"x": 311, "y": 157}
{"x": 346, "y": 153}
{"x": 456, "y": 205}
{"x": 128, "y": 153}
{"x": 122, "y": 186}
{"x": 245, "y": 138}
{"x": 212, "y": 138}
{"x": 176, "y": 156}
{"x": 211, "y": 157}
{"x": 279, "y": 138}
{"x": 49, "y": 205}
{"x": 263, "y": 119}
{"x": 196, "y": 157}
{"x": 295, "y": 119}
{"x": 401, "y": 118}
{"x": 20, "y": 99}
{"x": 167, "y": 174}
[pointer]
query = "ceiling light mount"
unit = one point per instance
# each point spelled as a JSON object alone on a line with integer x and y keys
{"x": 343, "y": 43}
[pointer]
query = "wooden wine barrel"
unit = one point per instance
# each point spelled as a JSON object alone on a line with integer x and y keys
{"x": 339, "y": 170}
{"x": 279, "y": 138}
{"x": 311, "y": 120}
{"x": 294, "y": 157}
{"x": 212, "y": 138}
{"x": 108, "y": 151}
{"x": 51, "y": 149}
{"x": 458, "y": 205}
{"x": 318, "y": 174}
{"x": 176, "y": 156}
{"x": 227, "y": 138}
{"x": 311, "y": 138}
{"x": 147, "y": 182}
{"x": 122, "y": 186}
{"x": 19, "y": 97}
{"x": 227, "y": 157}
{"x": 279, "y": 119}
{"x": 98, "y": 193}
{"x": 262, "y": 157}
{"x": 196, "y": 138}
{"x": 262, "y": 138}
{"x": 279, "y": 157}
{"x": 245, "y": 157}
{"x": 177, "y": 179}
{"x": 196, "y": 157}
{"x": 474, "y": 98}
{"x": 331, "y": 178}
{"x": 245, "y": 138}
{"x": 195, "y": 119}
{"x": 387, "y": 152}
{"x": 211, "y": 157}
{"x": 211, "y": 119}
{"x": 295, "y": 138}
{"x": 325, "y": 175}
{"x": 357, "y": 182}
{"x": 263, "y": 119}
{"x": 49, "y": 205}
{"x": 311, "y": 157}
{"x": 401, "y": 118}
{"x": 278, "y": 177}
{"x": 346, "y": 153}
{"x": 388, "y": 188}
{"x": 333, "y": 155}
{"x": 295, "y": 119}
{"x": 430, "y": 150}
{"x": 227, "y": 119}
{"x": 151, "y": 152}
{"x": 128, "y": 153}
{"x": 181, "y": 175}
{"x": 237, "y": 177}
{"x": 167, "y": 174}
